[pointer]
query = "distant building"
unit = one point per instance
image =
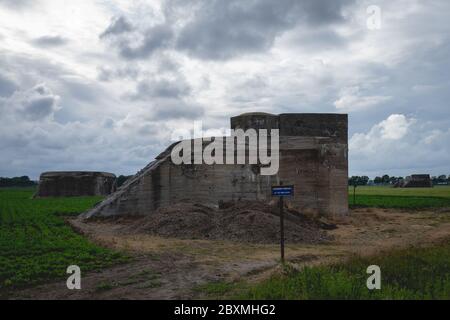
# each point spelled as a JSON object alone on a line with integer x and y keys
{"x": 418, "y": 181}
{"x": 76, "y": 184}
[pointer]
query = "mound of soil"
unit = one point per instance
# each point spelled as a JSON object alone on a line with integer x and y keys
{"x": 243, "y": 221}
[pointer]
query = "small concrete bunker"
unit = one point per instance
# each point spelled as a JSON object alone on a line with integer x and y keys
{"x": 313, "y": 158}
{"x": 75, "y": 184}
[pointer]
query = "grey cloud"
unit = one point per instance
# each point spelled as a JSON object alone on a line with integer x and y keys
{"x": 16, "y": 4}
{"x": 38, "y": 103}
{"x": 155, "y": 38}
{"x": 168, "y": 99}
{"x": 79, "y": 96}
{"x": 7, "y": 86}
{"x": 108, "y": 123}
{"x": 40, "y": 107}
{"x": 118, "y": 25}
{"x": 107, "y": 73}
{"x": 166, "y": 64}
{"x": 317, "y": 39}
{"x": 163, "y": 88}
{"x": 170, "y": 109}
{"x": 323, "y": 12}
{"x": 134, "y": 44}
{"x": 33, "y": 104}
{"x": 81, "y": 91}
{"x": 50, "y": 41}
{"x": 219, "y": 30}
{"x": 223, "y": 29}
{"x": 414, "y": 70}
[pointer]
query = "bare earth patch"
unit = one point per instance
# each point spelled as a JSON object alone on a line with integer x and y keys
{"x": 170, "y": 268}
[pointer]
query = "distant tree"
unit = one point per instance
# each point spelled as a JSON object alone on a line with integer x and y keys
{"x": 23, "y": 181}
{"x": 364, "y": 180}
{"x": 121, "y": 180}
{"x": 442, "y": 179}
{"x": 356, "y": 181}
{"x": 385, "y": 179}
{"x": 395, "y": 180}
{"x": 378, "y": 180}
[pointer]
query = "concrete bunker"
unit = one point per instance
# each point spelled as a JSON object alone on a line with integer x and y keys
{"x": 313, "y": 157}
{"x": 418, "y": 181}
{"x": 75, "y": 184}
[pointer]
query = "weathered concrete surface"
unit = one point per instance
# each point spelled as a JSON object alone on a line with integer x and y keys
{"x": 313, "y": 157}
{"x": 75, "y": 183}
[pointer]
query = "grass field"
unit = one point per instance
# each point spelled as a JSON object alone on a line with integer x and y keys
{"x": 388, "y": 197}
{"x": 35, "y": 243}
{"x": 415, "y": 273}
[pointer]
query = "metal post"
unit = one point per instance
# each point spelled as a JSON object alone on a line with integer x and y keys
{"x": 281, "y": 230}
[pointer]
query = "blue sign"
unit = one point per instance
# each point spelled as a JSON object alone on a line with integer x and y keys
{"x": 283, "y": 191}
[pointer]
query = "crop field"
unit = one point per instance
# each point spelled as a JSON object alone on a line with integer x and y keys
{"x": 411, "y": 198}
{"x": 35, "y": 243}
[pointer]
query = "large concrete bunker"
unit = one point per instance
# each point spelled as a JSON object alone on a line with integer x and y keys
{"x": 75, "y": 184}
{"x": 313, "y": 158}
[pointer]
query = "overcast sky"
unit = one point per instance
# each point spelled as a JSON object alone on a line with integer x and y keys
{"x": 101, "y": 85}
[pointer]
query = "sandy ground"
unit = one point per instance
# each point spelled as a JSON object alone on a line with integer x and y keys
{"x": 168, "y": 268}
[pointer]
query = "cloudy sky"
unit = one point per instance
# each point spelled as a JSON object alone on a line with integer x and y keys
{"x": 101, "y": 85}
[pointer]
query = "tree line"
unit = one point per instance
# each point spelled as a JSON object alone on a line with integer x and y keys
{"x": 386, "y": 179}
{"x": 23, "y": 181}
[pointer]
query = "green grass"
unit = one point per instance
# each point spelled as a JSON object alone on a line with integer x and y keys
{"x": 415, "y": 273}
{"x": 35, "y": 243}
{"x": 407, "y": 202}
{"x": 410, "y": 198}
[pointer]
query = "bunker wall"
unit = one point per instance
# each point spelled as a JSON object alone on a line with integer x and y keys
{"x": 74, "y": 184}
{"x": 313, "y": 157}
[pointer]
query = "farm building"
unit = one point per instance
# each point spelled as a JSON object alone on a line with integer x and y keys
{"x": 312, "y": 157}
{"x": 75, "y": 183}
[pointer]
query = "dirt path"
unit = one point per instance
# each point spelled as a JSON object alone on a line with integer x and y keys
{"x": 173, "y": 268}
